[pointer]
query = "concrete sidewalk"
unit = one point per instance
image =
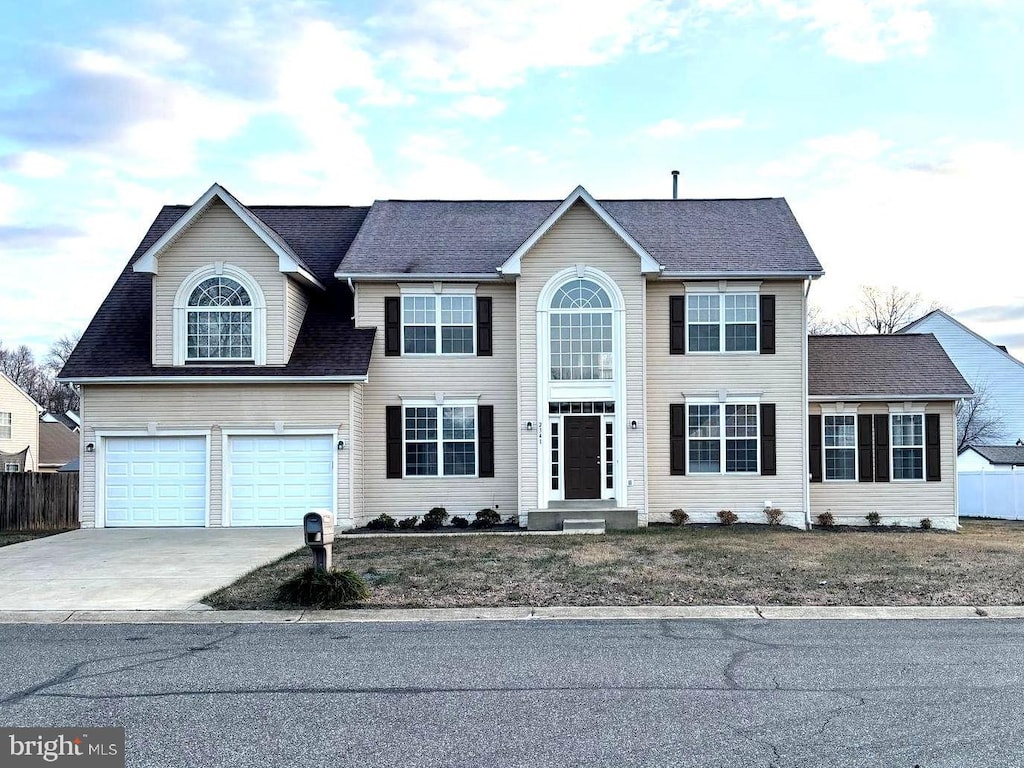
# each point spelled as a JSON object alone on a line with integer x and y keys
{"x": 133, "y": 568}
{"x": 604, "y": 613}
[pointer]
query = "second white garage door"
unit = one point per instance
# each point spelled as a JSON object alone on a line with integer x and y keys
{"x": 275, "y": 480}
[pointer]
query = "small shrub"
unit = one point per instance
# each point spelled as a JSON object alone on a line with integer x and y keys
{"x": 460, "y": 522}
{"x": 434, "y": 519}
{"x": 679, "y": 516}
{"x": 825, "y": 520}
{"x": 486, "y": 518}
{"x": 774, "y": 516}
{"x": 407, "y": 523}
{"x": 926, "y": 524}
{"x": 384, "y": 522}
{"x": 727, "y": 517}
{"x": 324, "y": 589}
{"x": 874, "y": 519}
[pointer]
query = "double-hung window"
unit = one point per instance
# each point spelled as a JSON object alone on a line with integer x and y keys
{"x": 439, "y": 324}
{"x": 718, "y": 322}
{"x": 716, "y": 431}
{"x": 5, "y": 425}
{"x": 907, "y": 446}
{"x": 440, "y": 441}
{"x": 840, "y": 447}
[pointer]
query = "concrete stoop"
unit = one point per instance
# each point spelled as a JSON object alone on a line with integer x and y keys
{"x": 592, "y": 525}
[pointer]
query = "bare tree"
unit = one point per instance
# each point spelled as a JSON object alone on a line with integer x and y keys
{"x": 61, "y": 397}
{"x": 884, "y": 310}
{"x": 40, "y": 381}
{"x": 20, "y": 365}
{"x": 817, "y": 323}
{"x": 978, "y": 422}
{"x": 61, "y": 350}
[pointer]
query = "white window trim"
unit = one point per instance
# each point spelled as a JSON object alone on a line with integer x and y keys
{"x": 7, "y": 425}
{"x": 439, "y": 404}
{"x": 838, "y": 413}
{"x": 606, "y": 420}
{"x": 721, "y": 435}
{"x": 892, "y": 450}
{"x": 749, "y": 289}
{"x": 436, "y": 291}
{"x": 259, "y": 316}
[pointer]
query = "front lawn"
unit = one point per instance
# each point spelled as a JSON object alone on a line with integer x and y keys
{"x": 984, "y": 564}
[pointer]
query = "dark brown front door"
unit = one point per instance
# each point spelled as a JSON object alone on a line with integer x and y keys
{"x": 582, "y": 457}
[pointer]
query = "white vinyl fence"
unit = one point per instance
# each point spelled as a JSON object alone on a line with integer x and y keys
{"x": 992, "y": 494}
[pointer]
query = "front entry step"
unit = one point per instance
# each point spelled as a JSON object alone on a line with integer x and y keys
{"x": 583, "y": 526}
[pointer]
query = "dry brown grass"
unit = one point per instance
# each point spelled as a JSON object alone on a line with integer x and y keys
{"x": 673, "y": 566}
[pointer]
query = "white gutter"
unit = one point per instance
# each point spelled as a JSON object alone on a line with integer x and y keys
{"x": 883, "y": 398}
{"x": 418, "y": 277}
{"x": 743, "y": 275}
{"x": 220, "y": 379}
{"x": 807, "y": 414}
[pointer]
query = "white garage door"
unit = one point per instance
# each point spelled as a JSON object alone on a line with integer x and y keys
{"x": 154, "y": 481}
{"x": 275, "y": 480}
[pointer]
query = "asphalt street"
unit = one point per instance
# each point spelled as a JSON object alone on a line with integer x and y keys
{"x": 531, "y": 693}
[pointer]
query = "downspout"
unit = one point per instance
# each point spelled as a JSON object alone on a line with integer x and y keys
{"x": 352, "y": 287}
{"x": 807, "y": 414}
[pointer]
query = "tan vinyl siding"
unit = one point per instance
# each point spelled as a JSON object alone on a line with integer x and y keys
{"x": 213, "y": 407}
{"x": 295, "y": 311}
{"x": 24, "y": 424}
{"x": 776, "y": 378}
{"x": 217, "y": 235}
{"x": 905, "y": 502}
{"x": 391, "y": 378}
{"x": 580, "y": 237}
{"x": 355, "y": 459}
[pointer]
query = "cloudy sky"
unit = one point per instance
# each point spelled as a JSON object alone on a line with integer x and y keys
{"x": 894, "y": 127}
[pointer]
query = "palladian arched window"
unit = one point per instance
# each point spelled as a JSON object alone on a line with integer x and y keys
{"x": 581, "y": 332}
{"x": 219, "y": 321}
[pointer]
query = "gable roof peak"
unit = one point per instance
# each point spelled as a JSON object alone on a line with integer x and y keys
{"x": 288, "y": 261}
{"x": 513, "y": 264}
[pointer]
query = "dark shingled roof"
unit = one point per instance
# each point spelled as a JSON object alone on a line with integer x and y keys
{"x": 1001, "y": 454}
{"x": 758, "y": 236}
{"x": 118, "y": 340}
{"x": 57, "y": 444}
{"x": 900, "y": 366}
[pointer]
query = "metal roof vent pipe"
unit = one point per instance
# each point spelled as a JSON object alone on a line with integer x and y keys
{"x": 675, "y": 185}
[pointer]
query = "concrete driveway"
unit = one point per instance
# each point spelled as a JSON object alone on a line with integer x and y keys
{"x": 133, "y": 568}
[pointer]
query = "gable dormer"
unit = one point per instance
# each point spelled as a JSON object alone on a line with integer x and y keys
{"x": 227, "y": 289}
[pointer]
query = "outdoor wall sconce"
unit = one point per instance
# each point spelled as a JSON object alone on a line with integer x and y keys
{"x": 529, "y": 426}
{"x": 90, "y": 447}
{"x": 632, "y": 424}
{"x": 341, "y": 445}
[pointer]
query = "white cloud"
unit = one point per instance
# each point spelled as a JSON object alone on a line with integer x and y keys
{"x": 858, "y": 30}
{"x": 37, "y": 165}
{"x": 475, "y": 45}
{"x": 670, "y": 128}
{"x": 475, "y": 105}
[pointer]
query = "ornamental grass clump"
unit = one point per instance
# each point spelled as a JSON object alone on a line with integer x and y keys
{"x": 314, "y": 588}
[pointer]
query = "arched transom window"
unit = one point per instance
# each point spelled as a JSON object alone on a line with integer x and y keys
{"x": 219, "y": 321}
{"x": 581, "y": 332}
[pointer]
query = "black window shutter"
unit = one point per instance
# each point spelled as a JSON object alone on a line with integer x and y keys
{"x": 932, "y": 454}
{"x": 881, "y": 448}
{"x": 677, "y": 325}
{"x": 767, "y": 438}
{"x": 483, "y": 326}
{"x": 677, "y": 439}
{"x": 767, "y": 324}
{"x": 866, "y": 464}
{"x": 392, "y": 327}
{"x": 814, "y": 442}
{"x": 485, "y": 429}
{"x": 394, "y": 440}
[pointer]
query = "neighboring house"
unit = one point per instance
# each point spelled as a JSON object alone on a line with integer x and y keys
{"x": 987, "y": 367}
{"x": 57, "y": 443}
{"x": 69, "y": 419}
{"x": 19, "y": 428}
{"x": 553, "y": 360}
{"x": 992, "y": 481}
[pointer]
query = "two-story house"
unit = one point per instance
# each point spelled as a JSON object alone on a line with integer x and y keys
{"x": 19, "y": 428}
{"x": 552, "y": 360}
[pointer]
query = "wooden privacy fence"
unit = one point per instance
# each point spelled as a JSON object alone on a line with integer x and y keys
{"x": 32, "y": 501}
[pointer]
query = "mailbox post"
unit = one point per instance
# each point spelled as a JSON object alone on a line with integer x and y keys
{"x": 318, "y": 528}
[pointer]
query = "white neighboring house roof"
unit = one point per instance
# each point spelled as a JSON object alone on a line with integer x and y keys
{"x": 513, "y": 264}
{"x": 27, "y": 396}
{"x": 912, "y": 328}
{"x": 288, "y": 261}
